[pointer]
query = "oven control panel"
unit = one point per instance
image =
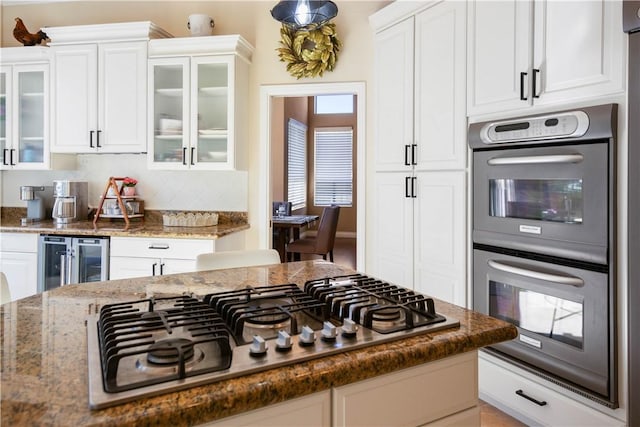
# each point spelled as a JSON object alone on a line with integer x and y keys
{"x": 559, "y": 125}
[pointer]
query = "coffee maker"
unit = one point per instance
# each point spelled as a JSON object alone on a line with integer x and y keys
{"x": 70, "y": 201}
{"x": 39, "y": 202}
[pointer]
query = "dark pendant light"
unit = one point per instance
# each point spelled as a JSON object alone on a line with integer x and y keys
{"x": 304, "y": 13}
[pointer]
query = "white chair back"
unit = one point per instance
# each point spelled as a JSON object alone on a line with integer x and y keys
{"x": 233, "y": 259}
{"x": 5, "y": 294}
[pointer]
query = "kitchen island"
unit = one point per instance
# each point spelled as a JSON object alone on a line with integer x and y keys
{"x": 44, "y": 353}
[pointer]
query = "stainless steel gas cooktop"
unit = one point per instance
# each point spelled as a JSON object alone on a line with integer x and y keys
{"x": 154, "y": 346}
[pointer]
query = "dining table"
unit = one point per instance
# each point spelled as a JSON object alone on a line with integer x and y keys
{"x": 287, "y": 228}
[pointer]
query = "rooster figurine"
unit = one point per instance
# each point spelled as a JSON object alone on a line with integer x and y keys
{"x": 23, "y": 35}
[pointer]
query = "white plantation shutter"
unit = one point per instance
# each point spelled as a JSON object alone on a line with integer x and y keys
{"x": 297, "y": 164}
{"x": 333, "y": 166}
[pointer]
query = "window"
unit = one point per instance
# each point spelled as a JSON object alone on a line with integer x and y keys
{"x": 334, "y": 104}
{"x": 333, "y": 178}
{"x": 297, "y": 164}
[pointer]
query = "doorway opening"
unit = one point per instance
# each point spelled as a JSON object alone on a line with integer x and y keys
{"x": 270, "y": 96}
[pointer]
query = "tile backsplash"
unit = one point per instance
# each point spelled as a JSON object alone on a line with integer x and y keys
{"x": 174, "y": 190}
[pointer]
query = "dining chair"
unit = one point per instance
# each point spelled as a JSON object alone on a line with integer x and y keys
{"x": 5, "y": 294}
{"x": 322, "y": 243}
{"x": 233, "y": 259}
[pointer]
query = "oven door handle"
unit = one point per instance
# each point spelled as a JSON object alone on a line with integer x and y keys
{"x": 533, "y": 274}
{"x": 536, "y": 160}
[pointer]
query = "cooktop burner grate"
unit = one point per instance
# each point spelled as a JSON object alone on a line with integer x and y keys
{"x": 374, "y": 304}
{"x": 266, "y": 307}
{"x": 156, "y": 340}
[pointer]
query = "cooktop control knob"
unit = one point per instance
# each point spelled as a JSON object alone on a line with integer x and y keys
{"x": 258, "y": 346}
{"x": 329, "y": 331}
{"x": 283, "y": 342}
{"x": 307, "y": 337}
{"x": 349, "y": 328}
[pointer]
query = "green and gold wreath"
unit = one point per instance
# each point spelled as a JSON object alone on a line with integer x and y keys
{"x": 309, "y": 52}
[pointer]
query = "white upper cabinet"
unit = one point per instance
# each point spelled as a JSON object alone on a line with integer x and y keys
{"x": 524, "y": 53}
{"x": 24, "y": 108}
{"x": 198, "y": 102}
{"x": 420, "y": 104}
{"x": 100, "y": 87}
{"x": 440, "y": 95}
{"x": 394, "y": 93}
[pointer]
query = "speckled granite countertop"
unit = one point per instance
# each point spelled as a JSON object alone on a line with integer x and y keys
{"x": 229, "y": 222}
{"x": 44, "y": 353}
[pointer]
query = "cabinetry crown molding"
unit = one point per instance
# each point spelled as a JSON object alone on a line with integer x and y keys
{"x": 25, "y": 54}
{"x": 206, "y": 45}
{"x": 398, "y": 11}
{"x": 124, "y": 31}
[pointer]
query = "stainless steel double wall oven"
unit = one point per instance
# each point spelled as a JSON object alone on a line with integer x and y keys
{"x": 543, "y": 239}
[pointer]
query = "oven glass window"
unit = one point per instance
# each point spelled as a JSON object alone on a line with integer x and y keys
{"x": 557, "y": 200}
{"x": 549, "y": 316}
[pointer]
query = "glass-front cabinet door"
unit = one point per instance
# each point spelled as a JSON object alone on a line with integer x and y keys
{"x": 24, "y": 123}
{"x": 190, "y": 100}
{"x": 169, "y": 113}
{"x": 213, "y": 101}
{"x": 5, "y": 128}
{"x": 32, "y": 96}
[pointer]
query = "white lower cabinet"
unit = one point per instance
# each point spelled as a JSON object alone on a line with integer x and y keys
{"x": 139, "y": 257}
{"x": 307, "y": 411}
{"x": 443, "y": 393}
{"x": 411, "y": 397}
{"x": 425, "y": 248}
{"x": 18, "y": 262}
{"x": 499, "y": 382}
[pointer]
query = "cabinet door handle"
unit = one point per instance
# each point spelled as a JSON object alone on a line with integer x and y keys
{"x": 158, "y": 246}
{"x": 98, "y": 139}
{"x": 184, "y": 156}
{"x": 11, "y": 157}
{"x": 91, "y": 139}
{"x": 63, "y": 268}
{"x": 153, "y": 269}
{"x": 414, "y": 154}
{"x": 522, "y": 76}
{"x": 537, "y": 160}
{"x": 5, "y": 152}
{"x": 161, "y": 268}
{"x": 534, "y": 90}
{"x": 413, "y": 187}
{"x": 406, "y": 155}
{"x": 506, "y": 267}
{"x": 406, "y": 186}
{"x": 536, "y": 401}
{"x": 193, "y": 150}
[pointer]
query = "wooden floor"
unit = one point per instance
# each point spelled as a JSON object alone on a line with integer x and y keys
{"x": 344, "y": 253}
{"x": 490, "y": 416}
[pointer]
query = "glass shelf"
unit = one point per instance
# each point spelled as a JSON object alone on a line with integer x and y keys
{"x": 170, "y": 91}
{"x": 214, "y": 91}
{"x": 168, "y": 137}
